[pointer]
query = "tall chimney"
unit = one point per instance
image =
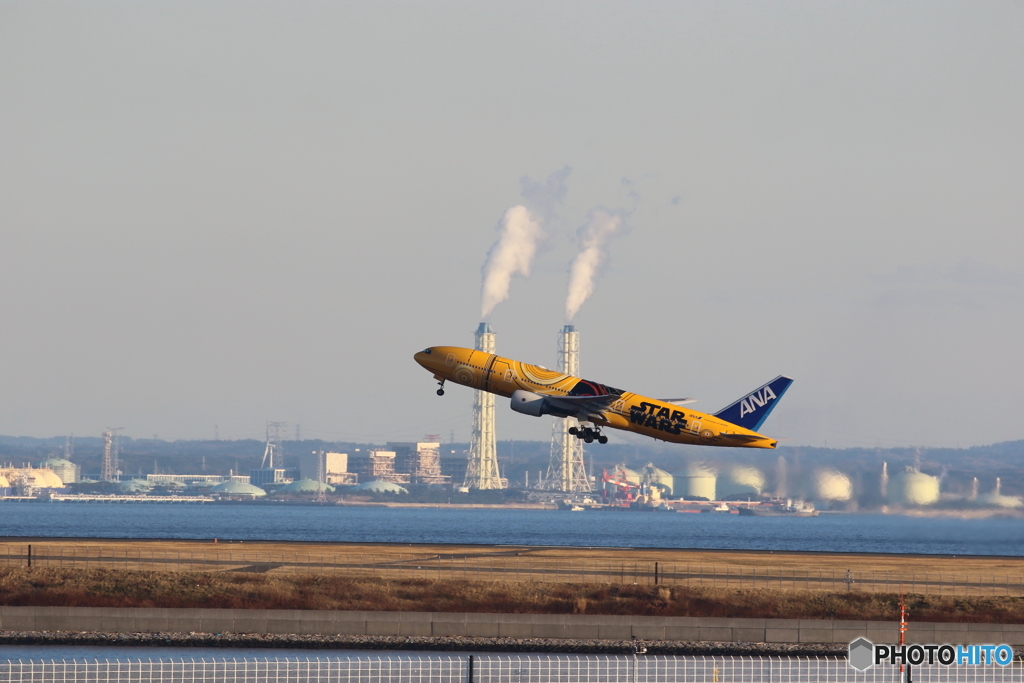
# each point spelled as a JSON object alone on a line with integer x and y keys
{"x": 566, "y": 469}
{"x": 482, "y": 466}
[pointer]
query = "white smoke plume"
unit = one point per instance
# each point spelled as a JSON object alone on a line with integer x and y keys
{"x": 511, "y": 255}
{"x": 521, "y": 231}
{"x": 593, "y": 236}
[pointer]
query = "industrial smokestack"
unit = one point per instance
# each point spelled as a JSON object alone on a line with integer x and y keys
{"x": 482, "y": 466}
{"x": 566, "y": 470}
{"x": 883, "y": 486}
{"x": 998, "y": 489}
{"x": 974, "y": 489}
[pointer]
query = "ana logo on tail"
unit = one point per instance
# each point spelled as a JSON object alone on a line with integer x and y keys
{"x": 750, "y": 411}
{"x": 756, "y": 400}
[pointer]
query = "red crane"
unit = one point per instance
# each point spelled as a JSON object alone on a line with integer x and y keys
{"x": 623, "y": 489}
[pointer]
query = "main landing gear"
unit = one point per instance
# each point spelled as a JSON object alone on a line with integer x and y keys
{"x": 440, "y": 392}
{"x": 588, "y": 435}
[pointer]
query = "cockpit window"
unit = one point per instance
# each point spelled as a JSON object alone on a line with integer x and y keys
{"x": 426, "y": 350}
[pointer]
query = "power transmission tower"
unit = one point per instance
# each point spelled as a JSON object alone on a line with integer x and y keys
{"x": 273, "y": 454}
{"x": 111, "y": 454}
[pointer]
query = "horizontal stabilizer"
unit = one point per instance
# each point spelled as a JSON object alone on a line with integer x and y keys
{"x": 750, "y": 411}
{"x": 740, "y": 438}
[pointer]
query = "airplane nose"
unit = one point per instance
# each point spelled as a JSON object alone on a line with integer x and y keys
{"x": 422, "y": 357}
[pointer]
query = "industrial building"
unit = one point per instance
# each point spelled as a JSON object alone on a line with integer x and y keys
{"x": 264, "y": 476}
{"x": 378, "y": 464}
{"x": 194, "y": 479}
{"x": 421, "y": 459}
{"x": 328, "y": 468}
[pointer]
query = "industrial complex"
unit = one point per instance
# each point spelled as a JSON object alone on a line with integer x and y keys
{"x": 570, "y": 479}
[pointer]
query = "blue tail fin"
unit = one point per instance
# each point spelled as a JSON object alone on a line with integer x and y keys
{"x": 750, "y": 411}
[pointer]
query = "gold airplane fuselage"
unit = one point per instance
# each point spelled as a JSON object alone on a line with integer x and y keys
{"x": 628, "y": 411}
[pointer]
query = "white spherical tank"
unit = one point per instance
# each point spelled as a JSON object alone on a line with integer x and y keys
{"x": 656, "y": 475}
{"x": 741, "y": 481}
{"x": 696, "y": 482}
{"x": 831, "y": 484}
{"x": 914, "y": 488}
{"x": 621, "y": 471}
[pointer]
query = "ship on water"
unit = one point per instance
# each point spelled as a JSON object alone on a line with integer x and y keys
{"x": 780, "y": 508}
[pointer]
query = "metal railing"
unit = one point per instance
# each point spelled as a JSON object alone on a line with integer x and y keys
{"x": 502, "y": 566}
{"x": 494, "y": 669}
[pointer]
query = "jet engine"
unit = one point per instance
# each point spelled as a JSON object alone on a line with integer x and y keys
{"x": 535, "y": 405}
{"x": 529, "y": 403}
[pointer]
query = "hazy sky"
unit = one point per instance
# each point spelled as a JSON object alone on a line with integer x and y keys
{"x": 219, "y": 213}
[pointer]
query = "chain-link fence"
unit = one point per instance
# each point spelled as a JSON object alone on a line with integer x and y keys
{"x": 504, "y": 566}
{"x": 495, "y": 669}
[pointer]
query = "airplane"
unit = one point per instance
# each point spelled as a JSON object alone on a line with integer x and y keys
{"x": 537, "y": 391}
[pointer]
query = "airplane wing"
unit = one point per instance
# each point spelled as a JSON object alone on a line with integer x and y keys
{"x": 583, "y": 406}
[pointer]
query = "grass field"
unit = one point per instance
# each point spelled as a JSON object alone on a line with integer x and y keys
{"x": 666, "y": 582}
{"x": 97, "y": 587}
{"x": 927, "y": 575}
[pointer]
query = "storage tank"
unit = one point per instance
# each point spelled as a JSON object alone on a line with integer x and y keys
{"x": 696, "y": 482}
{"x": 65, "y": 469}
{"x": 49, "y": 478}
{"x": 621, "y": 471}
{"x": 912, "y": 487}
{"x": 237, "y": 489}
{"x": 135, "y": 486}
{"x": 833, "y": 485}
{"x": 658, "y": 476}
{"x": 306, "y": 486}
{"x": 741, "y": 480}
{"x": 378, "y": 486}
{"x": 3, "y": 482}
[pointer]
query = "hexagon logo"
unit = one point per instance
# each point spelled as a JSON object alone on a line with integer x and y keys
{"x": 862, "y": 654}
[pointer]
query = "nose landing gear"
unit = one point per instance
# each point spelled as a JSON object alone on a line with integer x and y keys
{"x": 588, "y": 435}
